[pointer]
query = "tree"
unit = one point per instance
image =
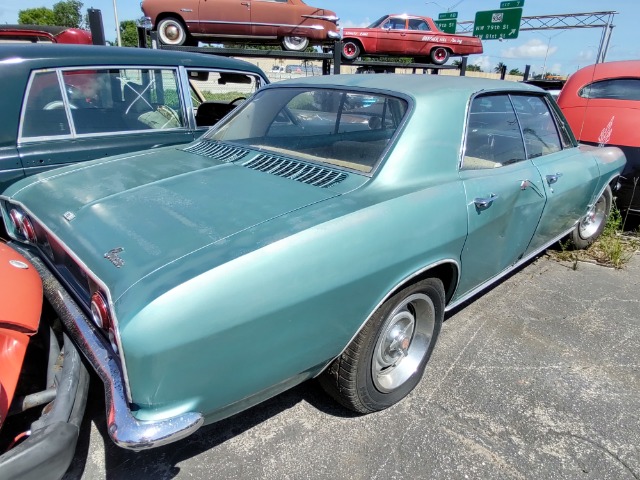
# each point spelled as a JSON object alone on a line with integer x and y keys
{"x": 36, "y": 16}
{"x": 515, "y": 71}
{"x": 499, "y": 67}
{"x": 65, "y": 13}
{"x": 474, "y": 68}
{"x": 129, "y": 33}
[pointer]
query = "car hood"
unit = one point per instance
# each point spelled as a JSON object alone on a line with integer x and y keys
{"x": 156, "y": 208}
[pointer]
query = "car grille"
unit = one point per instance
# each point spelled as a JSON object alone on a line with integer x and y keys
{"x": 298, "y": 171}
{"x": 217, "y": 150}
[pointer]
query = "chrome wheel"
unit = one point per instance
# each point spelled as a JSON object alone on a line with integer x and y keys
{"x": 403, "y": 342}
{"x": 594, "y": 219}
{"x": 350, "y": 50}
{"x": 439, "y": 55}
{"x": 171, "y": 32}
{"x": 295, "y": 44}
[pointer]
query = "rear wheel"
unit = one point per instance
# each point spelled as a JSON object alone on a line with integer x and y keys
{"x": 350, "y": 50}
{"x": 439, "y": 55}
{"x": 387, "y": 358}
{"x": 295, "y": 44}
{"x": 592, "y": 224}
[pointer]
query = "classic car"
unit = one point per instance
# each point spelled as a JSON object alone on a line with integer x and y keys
{"x": 601, "y": 104}
{"x": 407, "y": 36}
{"x": 322, "y": 229}
{"x": 43, "y": 381}
{"x": 43, "y": 34}
{"x": 69, "y": 103}
{"x": 292, "y": 23}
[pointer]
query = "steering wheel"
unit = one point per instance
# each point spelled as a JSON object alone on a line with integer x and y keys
{"x": 237, "y": 100}
{"x": 58, "y": 104}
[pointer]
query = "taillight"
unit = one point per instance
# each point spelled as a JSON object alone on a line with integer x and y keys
{"x": 102, "y": 318}
{"x": 23, "y": 225}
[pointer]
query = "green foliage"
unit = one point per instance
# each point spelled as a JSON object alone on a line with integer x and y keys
{"x": 498, "y": 68}
{"x": 36, "y": 16}
{"x": 515, "y": 71}
{"x": 474, "y": 68}
{"x": 129, "y": 33}
{"x": 222, "y": 96}
{"x": 65, "y": 13}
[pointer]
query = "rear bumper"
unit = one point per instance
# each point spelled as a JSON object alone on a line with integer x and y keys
{"x": 48, "y": 451}
{"x": 124, "y": 429}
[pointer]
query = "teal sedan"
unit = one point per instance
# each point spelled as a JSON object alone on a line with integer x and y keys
{"x": 322, "y": 229}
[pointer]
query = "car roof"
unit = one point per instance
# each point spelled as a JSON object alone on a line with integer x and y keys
{"x": 601, "y": 71}
{"x": 411, "y": 85}
{"x": 53, "y": 30}
{"x": 57, "y": 55}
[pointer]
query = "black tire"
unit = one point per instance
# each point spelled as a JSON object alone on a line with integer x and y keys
{"x": 350, "y": 50}
{"x": 386, "y": 359}
{"x": 439, "y": 55}
{"x": 590, "y": 227}
{"x": 171, "y": 31}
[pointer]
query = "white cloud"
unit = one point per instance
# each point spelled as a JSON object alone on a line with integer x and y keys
{"x": 483, "y": 62}
{"x": 534, "y": 48}
{"x": 588, "y": 55}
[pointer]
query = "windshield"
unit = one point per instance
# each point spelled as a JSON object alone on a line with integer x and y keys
{"x": 378, "y": 22}
{"x": 337, "y": 127}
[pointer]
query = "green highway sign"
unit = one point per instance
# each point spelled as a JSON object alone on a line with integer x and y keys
{"x": 447, "y": 26}
{"x": 512, "y": 4}
{"x": 497, "y": 24}
{"x": 449, "y": 15}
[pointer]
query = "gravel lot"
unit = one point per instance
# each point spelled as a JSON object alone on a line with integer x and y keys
{"x": 537, "y": 378}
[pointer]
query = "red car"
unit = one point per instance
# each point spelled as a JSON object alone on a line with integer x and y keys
{"x": 43, "y": 381}
{"x": 602, "y": 103}
{"x": 407, "y": 36}
{"x": 43, "y": 34}
{"x": 291, "y": 22}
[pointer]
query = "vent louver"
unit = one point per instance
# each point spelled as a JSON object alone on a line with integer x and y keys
{"x": 217, "y": 151}
{"x": 299, "y": 171}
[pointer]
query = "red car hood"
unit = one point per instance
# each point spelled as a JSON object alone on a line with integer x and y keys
{"x": 20, "y": 306}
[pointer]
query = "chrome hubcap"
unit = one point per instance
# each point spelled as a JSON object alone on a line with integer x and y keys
{"x": 403, "y": 342}
{"x": 591, "y": 222}
{"x": 172, "y": 32}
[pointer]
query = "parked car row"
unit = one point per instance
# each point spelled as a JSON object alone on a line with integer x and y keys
{"x": 320, "y": 229}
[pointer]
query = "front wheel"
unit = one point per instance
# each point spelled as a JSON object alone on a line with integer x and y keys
{"x": 386, "y": 359}
{"x": 295, "y": 44}
{"x": 439, "y": 55}
{"x": 592, "y": 224}
{"x": 350, "y": 50}
{"x": 171, "y": 31}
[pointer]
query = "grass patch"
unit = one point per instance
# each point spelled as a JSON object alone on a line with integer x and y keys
{"x": 614, "y": 248}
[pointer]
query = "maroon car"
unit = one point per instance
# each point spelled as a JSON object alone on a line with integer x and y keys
{"x": 43, "y": 34}
{"x": 289, "y": 22}
{"x": 407, "y": 36}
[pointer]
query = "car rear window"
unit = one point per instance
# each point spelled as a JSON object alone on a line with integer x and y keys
{"x": 614, "y": 89}
{"x": 344, "y": 128}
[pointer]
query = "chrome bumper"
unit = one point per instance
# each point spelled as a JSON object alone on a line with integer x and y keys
{"x": 124, "y": 429}
{"x": 334, "y": 35}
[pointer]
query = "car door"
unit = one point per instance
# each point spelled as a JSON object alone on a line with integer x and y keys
{"x": 102, "y": 112}
{"x": 224, "y": 17}
{"x": 268, "y": 15}
{"x": 415, "y": 39}
{"x": 504, "y": 192}
{"x": 393, "y": 36}
{"x": 569, "y": 177}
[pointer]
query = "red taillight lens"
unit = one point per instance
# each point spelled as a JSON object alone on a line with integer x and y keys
{"x": 23, "y": 225}
{"x": 100, "y": 311}
{"x": 102, "y": 318}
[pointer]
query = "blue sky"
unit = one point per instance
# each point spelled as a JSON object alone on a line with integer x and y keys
{"x": 567, "y": 49}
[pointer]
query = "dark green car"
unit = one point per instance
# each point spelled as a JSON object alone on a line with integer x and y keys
{"x": 63, "y": 104}
{"x": 321, "y": 230}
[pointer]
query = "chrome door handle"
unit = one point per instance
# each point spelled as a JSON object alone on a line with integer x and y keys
{"x": 485, "y": 202}
{"x": 553, "y": 178}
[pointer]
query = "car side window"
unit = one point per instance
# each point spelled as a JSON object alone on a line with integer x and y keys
{"x": 493, "y": 135}
{"x": 613, "y": 89}
{"x": 417, "y": 24}
{"x": 394, "y": 24}
{"x": 44, "y": 114}
{"x": 538, "y": 125}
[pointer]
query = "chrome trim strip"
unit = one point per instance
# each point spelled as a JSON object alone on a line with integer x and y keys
{"x": 389, "y": 293}
{"x": 328, "y": 18}
{"x": 507, "y": 270}
{"x": 124, "y": 429}
{"x": 215, "y": 22}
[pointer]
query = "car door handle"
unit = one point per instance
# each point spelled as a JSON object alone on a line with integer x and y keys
{"x": 551, "y": 179}
{"x": 485, "y": 202}
{"x": 246, "y": 4}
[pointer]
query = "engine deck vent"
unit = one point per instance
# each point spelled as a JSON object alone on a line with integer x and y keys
{"x": 217, "y": 151}
{"x": 295, "y": 170}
